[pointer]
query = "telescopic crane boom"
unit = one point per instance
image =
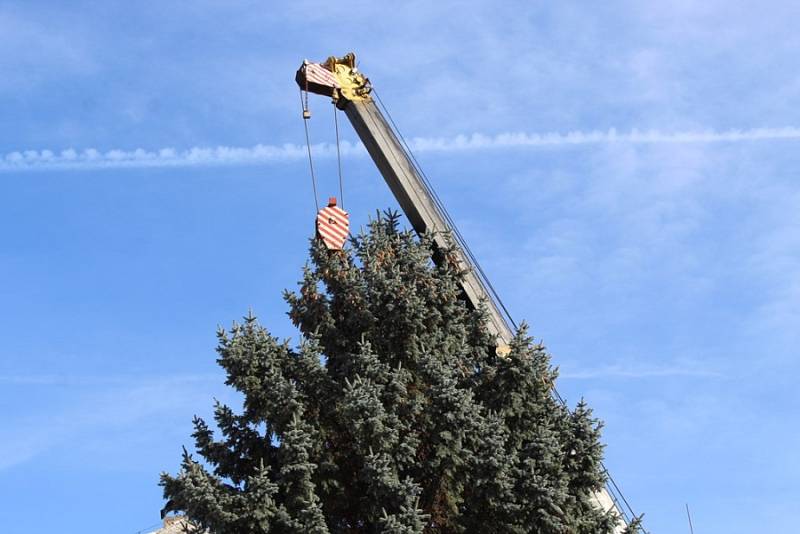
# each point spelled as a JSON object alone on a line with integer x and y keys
{"x": 339, "y": 79}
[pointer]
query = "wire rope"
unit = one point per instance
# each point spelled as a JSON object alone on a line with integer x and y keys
{"x": 304, "y": 105}
{"x": 440, "y": 205}
{"x": 338, "y": 155}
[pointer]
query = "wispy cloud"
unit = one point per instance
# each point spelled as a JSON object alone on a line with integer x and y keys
{"x": 71, "y": 159}
{"x": 632, "y": 371}
{"x": 106, "y": 417}
{"x": 91, "y": 380}
{"x": 166, "y": 157}
{"x": 506, "y": 140}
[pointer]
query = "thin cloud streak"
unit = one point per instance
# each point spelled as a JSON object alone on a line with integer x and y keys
{"x": 96, "y": 380}
{"x": 104, "y": 419}
{"x": 70, "y": 159}
{"x": 638, "y": 372}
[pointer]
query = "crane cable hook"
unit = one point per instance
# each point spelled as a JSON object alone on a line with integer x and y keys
{"x": 306, "y": 117}
{"x": 338, "y": 153}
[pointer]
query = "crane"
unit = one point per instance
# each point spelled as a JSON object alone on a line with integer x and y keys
{"x": 351, "y": 91}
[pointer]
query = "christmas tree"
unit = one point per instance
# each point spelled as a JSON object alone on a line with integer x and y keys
{"x": 393, "y": 415}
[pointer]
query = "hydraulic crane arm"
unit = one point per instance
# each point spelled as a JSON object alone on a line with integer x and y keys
{"x": 339, "y": 79}
{"x": 417, "y": 203}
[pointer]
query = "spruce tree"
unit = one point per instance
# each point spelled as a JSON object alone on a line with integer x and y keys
{"x": 393, "y": 415}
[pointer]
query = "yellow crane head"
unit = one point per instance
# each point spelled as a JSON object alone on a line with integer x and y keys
{"x": 337, "y": 78}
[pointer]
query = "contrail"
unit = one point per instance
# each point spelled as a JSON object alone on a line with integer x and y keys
{"x": 70, "y": 159}
{"x": 504, "y": 140}
{"x": 91, "y": 158}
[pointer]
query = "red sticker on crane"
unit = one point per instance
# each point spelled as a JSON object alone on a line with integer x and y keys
{"x": 333, "y": 226}
{"x": 316, "y": 73}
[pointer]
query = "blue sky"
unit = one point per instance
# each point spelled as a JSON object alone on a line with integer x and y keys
{"x": 645, "y": 220}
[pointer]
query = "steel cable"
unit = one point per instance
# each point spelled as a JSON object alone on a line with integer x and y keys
{"x": 308, "y": 148}
{"x": 338, "y": 156}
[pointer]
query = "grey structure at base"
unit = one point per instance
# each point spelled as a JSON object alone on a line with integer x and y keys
{"x": 176, "y": 524}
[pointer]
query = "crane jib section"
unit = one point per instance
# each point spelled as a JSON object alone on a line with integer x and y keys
{"x": 339, "y": 79}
